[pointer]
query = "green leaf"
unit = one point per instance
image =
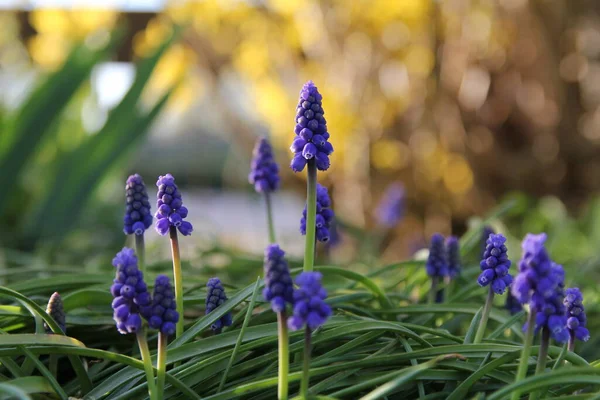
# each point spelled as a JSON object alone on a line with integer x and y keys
{"x": 29, "y": 385}
{"x": 470, "y": 335}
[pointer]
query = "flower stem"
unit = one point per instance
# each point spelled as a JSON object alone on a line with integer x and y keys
{"x": 161, "y": 365}
{"x": 433, "y": 291}
{"x": 485, "y": 316}
{"x": 140, "y": 252}
{"x": 284, "y": 356}
{"x": 311, "y": 216}
{"x": 177, "y": 279}
{"x": 145, "y": 352}
{"x": 524, "y": 362}
{"x": 571, "y": 345}
{"x": 306, "y": 365}
{"x": 270, "y": 218}
{"x": 541, "y": 360}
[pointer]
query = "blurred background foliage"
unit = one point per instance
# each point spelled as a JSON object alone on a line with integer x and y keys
{"x": 463, "y": 101}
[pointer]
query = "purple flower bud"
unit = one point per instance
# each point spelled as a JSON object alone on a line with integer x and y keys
{"x": 161, "y": 313}
{"x": 495, "y": 264}
{"x": 279, "y": 289}
{"x": 437, "y": 263}
{"x": 324, "y": 215}
{"x": 169, "y": 204}
{"x": 311, "y": 128}
{"x": 309, "y": 302}
{"x": 137, "y": 207}
{"x": 575, "y": 313}
{"x": 264, "y": 171}
{"x": 215, "y": 296}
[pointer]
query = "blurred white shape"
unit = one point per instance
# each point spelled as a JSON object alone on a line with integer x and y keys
{"x": 393, "y": 79}
{"x": 474, "y": 88}
{"x": 123, "y": 5}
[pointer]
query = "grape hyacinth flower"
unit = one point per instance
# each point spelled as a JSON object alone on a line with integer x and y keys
{"x": 170, "y": 211}
{"x": 215, "y": 296}
{"x": 540, "y": 283}
{"x": 494, "y": 266}
{"x": 576, "y": 319}
{"x": 138, "y": 217}
{"x": 324, "y": 216}
{"x": 279, "y": 290}
{"x": 137, "y": 208}
{"x": 170, "y": 214}
{"x": 264, "y": 175}
{"x": 162, "y": 316}
{"x": 485, "y": 234}
{"x": 391, "y": 208}
{"x": 130, "y": 292}
{"x": 311, "y": 148}
{"x": 311, "y": 141}
{"x": 56, "y": 310}
{"x": 310, "y": 310}
{"x": 131, "y": 298}
{"x": 453, "y": 251}
{"x": 436, "y": 266}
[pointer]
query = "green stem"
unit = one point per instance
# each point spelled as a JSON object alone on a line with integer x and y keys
{"x": 270, "y": 218}
{"x": 177, "y": 279}
{"x": 284, "y": 356}
{"x": 145, "y": 352}
{"x": 433, "y": 291}
{"x": 306, "y": 365}
{"x": 161, "y": 365}
{"x": 541, "y": 360}
{"x": 485, "y": 316}
{"x": 524, "y": 362}
{"x": 311, "y": 216}
{"x": 140, "y": 252}
{"x": 571, "y": 345}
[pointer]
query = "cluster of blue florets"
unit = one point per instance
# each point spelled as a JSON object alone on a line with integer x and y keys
{"x": 215, "y": 296}
{"x": 391, "y": 208}
{"x": 170, "y": 210}
{"x": 495, "y": 264}
{"x": 279, "y": 288}
{"x": 137, "y": 208}
{"x": 310, "y": 308}
{"x": 264, "y": 171}
{"x": 311, "y": 141}
{"x": 324, "y": 216}
{"x": 437, "y": 261}
{"x": 541, "y": 283}
{"x": 130, "y": 293}
{"x": 576, "y": 319}
{"x": 453, "y": 251}
{"x": 163, "y": 314}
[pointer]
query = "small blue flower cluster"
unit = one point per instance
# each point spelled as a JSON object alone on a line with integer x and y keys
{"x": 264, "y": 171}
{"x": 324, "y": 215}
{"x": 129, "y": 291}
{"x": 495, "y": 264}
{"x": 311, "y": 141}
{"x": 310, "y": 308}
{"x": 437, "y": 262}
{"x": 137, "y": 209}
{"x": 215, "y": 296}
{"x": 162, "y": 314}
{"x": 485, "y": 234}
{"x": 391, "y": 208}
{"x": 453, "y": 251}
{"x": 170, "y": 210}
{"x": 279, "y": 288}
{"x": 576, "y": 319}
{"x": 56, "y": 310}
{"x": 540, "y": 282}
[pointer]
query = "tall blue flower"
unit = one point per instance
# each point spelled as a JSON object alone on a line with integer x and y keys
{"x": 162, "y": 314}
{"x": 541, "y": 283}
{"x": 56, "y": 310}
{"x": 215, "y": 296}
{"x": 311, "y": 141}
{"x": 576, "y": 319}
{"x": 437, "y": 262}
{"x": 130, "y": 293}
{"x": 495, "y": 264}
{"x": 279, "y": 288}
{"x": 485, "y": 234}
{"x": 310, "y": 308}
{"x": 137, "y": 208}
{"x": 453, "y": 250}
{"x": 171, "y": 211}
{"x": 391, "y": 208}
{"x": 324, "y": 216}
{"x": 264, "y": 171}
